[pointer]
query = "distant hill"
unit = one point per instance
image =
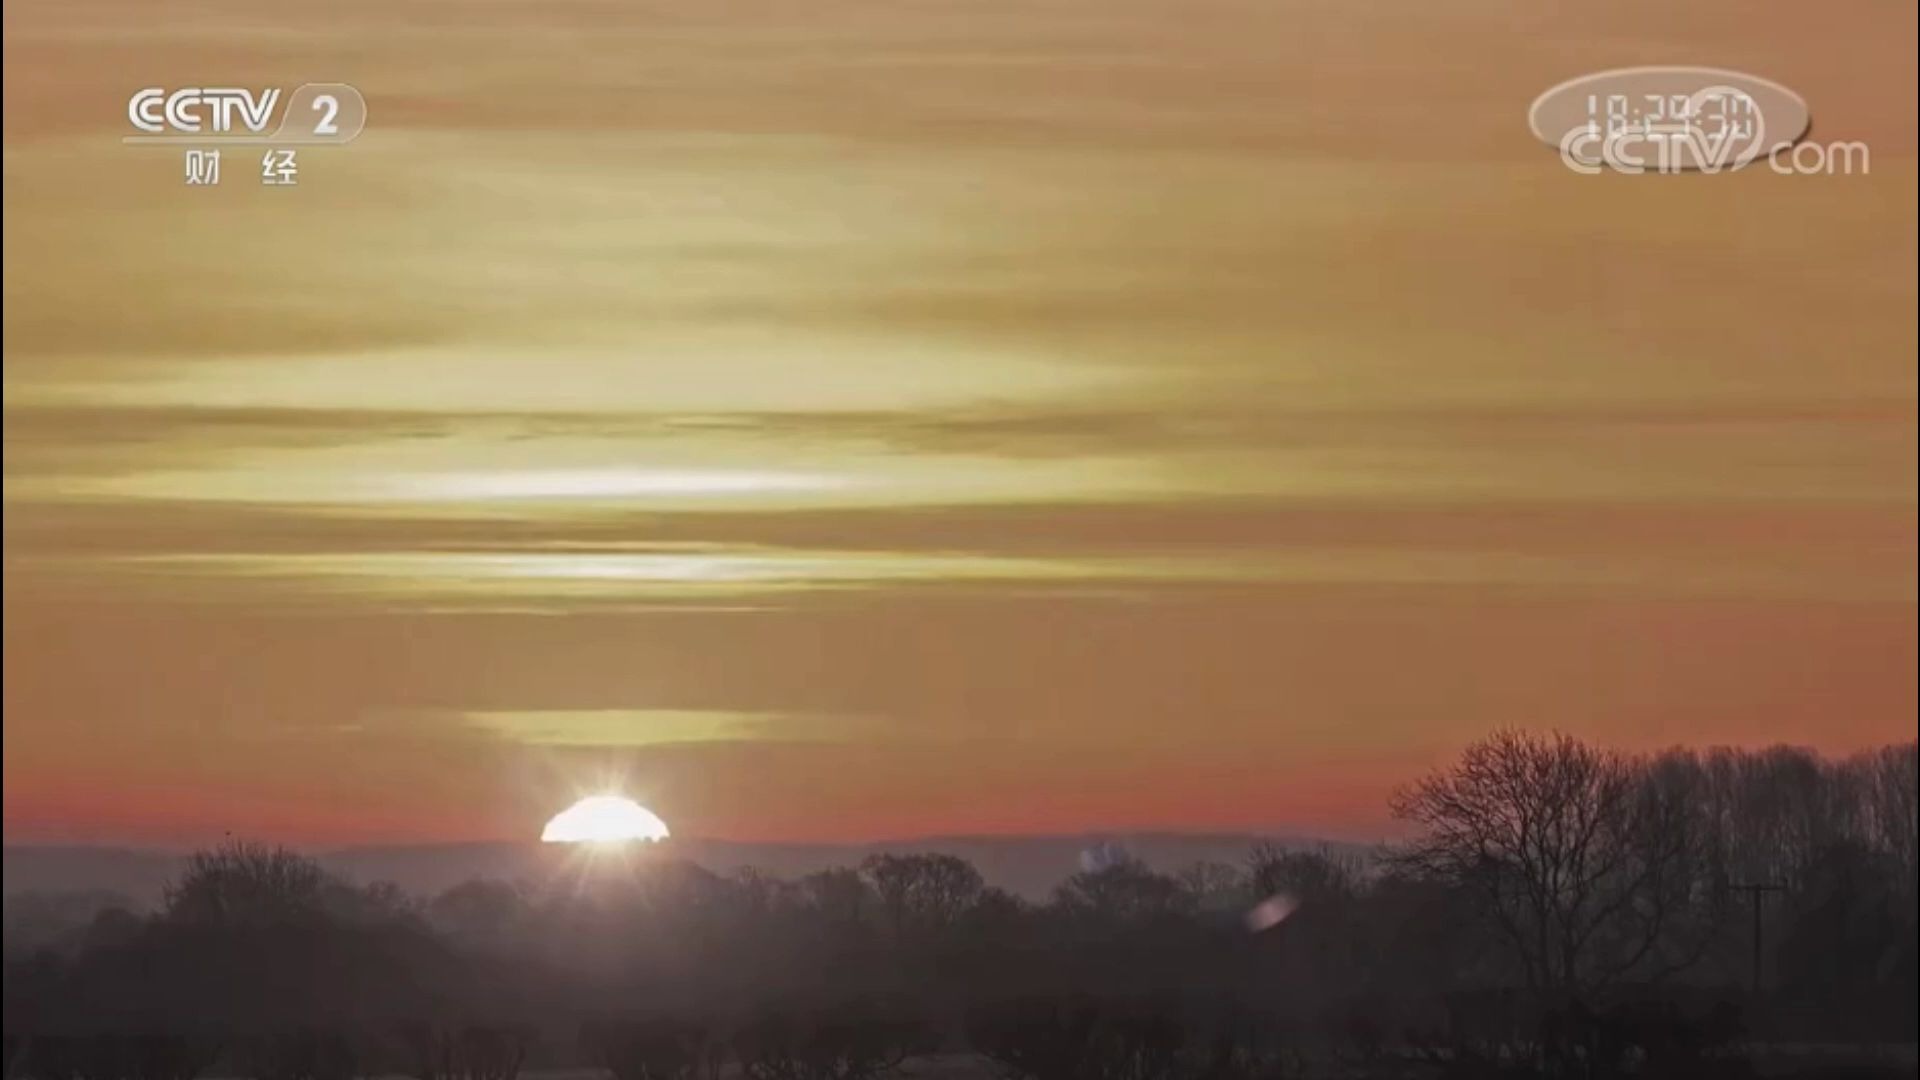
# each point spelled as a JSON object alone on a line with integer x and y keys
{"x": 137, "y": 875}
{"x": 1029, "y": 866}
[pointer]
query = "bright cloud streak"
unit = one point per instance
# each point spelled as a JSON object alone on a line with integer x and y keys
{"x": 609, "y": 484}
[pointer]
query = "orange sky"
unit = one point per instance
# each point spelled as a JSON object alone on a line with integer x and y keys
{"x": 869, "y": 419}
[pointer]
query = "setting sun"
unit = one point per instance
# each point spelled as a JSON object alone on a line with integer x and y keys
{"x": 600, "y": 819}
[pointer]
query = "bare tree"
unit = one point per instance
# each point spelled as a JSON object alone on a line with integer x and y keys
{"x": 1580, "y": 858}
{"x": 1213, "y": 885}
{"x": 1038, "y": 1038}
{"x": 301, "y": 1053}
{"x": 110, "y": 1056}
{"x": 1888, "y": 782}
{"x": 1125, "y": 890}
{"x": 852, "y": 1040}
{"x": 1133, "y": 1037}
{"x": 241, "y": 882}
{"x": 656, "y": 1048}
{"x": 922, "y": 891}
{"x": 1322, "y": 874}
{"x": 438, "y": 1051}
{"x": 839, "y": 896}
{"x": 495, "y": 1051}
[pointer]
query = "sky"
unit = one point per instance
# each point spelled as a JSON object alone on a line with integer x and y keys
{"x": 871, "y": 419}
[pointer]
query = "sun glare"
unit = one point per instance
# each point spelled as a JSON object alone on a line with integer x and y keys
{"x": 601, "y": 819}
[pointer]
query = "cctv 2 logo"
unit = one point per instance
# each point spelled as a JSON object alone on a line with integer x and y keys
{"x": 314, "y": 113}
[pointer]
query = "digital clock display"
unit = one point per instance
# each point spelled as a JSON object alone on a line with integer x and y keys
{"x": 1731, "y": 114}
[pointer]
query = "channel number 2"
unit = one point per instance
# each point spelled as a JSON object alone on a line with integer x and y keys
{"x": 328, "y": 107}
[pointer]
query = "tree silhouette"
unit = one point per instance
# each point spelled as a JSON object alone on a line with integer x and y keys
{"x": 1578, "y": 856}
{"x": 241, "y": 882}
{"x": 857, "y": 1039}
{"x": 655, "y": 1048}
{"x": 921, "y": 893}
{"x": 1123, "y": 891}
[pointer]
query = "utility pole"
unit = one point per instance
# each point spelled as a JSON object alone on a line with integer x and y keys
{"x": 1755, "y": 893}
